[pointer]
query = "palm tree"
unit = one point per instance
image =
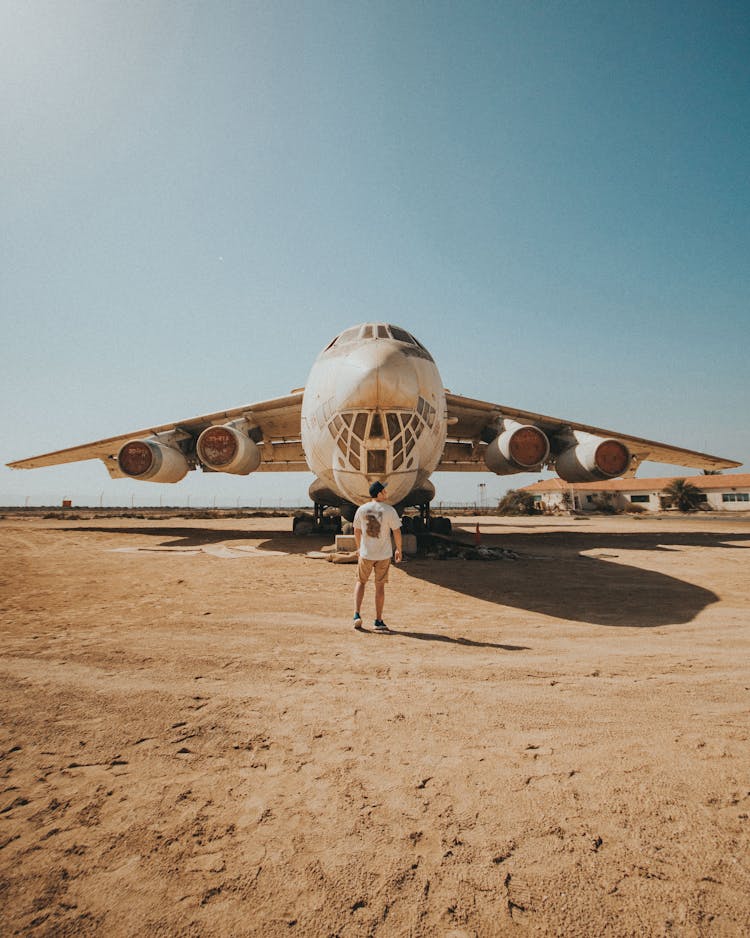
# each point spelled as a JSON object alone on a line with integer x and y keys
{"x": 683, "y": 494}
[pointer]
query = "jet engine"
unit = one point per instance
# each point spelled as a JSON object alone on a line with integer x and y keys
{"x": 592, "y": 459}
{"x": 227, "y": 449}
{"x": 518, "y": 448}
{"x": 152, "y": 461}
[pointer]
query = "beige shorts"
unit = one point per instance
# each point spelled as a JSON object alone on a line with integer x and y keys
{"x": 365, "y": 568}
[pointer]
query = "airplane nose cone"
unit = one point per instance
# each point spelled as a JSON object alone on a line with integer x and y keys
{"x": 377, "y": 375}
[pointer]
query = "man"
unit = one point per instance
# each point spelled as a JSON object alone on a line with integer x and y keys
{"x": 373, "y": 524}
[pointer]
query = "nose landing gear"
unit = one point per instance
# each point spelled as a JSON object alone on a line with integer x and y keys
{"x": 322, "y": 521}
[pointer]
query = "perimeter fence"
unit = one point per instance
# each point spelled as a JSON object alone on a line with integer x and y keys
{"x": 131, "y": 502}
{"x": 189, "y": 502}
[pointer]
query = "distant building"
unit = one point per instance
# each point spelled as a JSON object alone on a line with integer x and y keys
{"x": 718, "y": 492}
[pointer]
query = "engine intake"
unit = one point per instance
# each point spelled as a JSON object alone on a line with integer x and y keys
{"x": 152, "y": 461}
{"x": 592, "y": 459}
{"x": 519, "y": 448}
{"x": 227, "y": 449}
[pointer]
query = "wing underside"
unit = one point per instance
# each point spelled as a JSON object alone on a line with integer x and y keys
{"x": 278, "y": 424}
{"x": 471, "y": 423}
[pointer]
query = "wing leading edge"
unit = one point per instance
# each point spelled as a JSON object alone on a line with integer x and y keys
{"x": 472, "y": 422}
{"x": 278, "y": 422}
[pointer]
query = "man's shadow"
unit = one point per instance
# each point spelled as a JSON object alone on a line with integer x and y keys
{"x": 436, "y": 637}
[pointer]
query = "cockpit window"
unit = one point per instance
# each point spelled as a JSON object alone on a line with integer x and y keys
{"x": 349, "y": 335}
{"x": 402, "y": 335}
{"x": 380, "y": 331}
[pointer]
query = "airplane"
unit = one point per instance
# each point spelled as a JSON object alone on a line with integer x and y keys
{"x": 374, "y": 408}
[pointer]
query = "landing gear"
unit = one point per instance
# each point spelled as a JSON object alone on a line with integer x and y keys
{"x": 318, "y": 516}
{"x": 322, "y": 521}
{"x": 426, "y": 522}
{"x": 441, "y": 525}
{"x": 302, "y": 525}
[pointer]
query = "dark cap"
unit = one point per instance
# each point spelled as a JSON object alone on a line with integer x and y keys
{"x": 376, "y": 488}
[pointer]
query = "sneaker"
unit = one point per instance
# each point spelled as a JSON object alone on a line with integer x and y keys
{"x": 357, "y": 620}
{"x": 380, "y": 626}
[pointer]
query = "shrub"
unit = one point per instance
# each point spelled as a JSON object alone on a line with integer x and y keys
{"x": 634, "y": 509}
{"x": 516, "y": 502}
{"x": 605, "y": 503}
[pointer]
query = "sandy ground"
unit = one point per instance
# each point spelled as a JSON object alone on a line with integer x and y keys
{"x": 196, "y": 742}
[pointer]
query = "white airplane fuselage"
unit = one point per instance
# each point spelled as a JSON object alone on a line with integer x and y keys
{"x": 373, "y": 410}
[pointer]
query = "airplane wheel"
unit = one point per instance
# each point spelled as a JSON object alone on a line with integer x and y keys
{"x": 302, "y": 526}
{"x": 441, "y": 525}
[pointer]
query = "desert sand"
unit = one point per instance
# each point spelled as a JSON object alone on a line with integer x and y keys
{"x": 195, "y": 742}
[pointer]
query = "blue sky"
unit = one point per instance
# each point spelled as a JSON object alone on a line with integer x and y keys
{"x": 197, "y": 197}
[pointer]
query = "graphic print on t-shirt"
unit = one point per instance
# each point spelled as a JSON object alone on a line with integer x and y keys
{"x": 373, "y": 524}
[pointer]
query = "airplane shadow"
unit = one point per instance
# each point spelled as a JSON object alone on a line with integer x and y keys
{"x": 184, "y": 537}
{"x": 553, "y": 575}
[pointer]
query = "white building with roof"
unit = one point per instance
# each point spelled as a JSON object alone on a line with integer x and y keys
{"x": 718, "y": 493}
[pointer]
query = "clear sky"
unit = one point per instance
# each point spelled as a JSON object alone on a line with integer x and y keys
{"x": 196, "y": 197}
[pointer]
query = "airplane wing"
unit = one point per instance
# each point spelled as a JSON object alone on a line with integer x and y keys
{"x": 471, "y": 424}
{"x": 278, "y": 422}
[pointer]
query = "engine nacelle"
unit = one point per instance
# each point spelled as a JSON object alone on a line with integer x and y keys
{"x": 227, "y": 449}
{"x": 152, "y": 461}
{"x": 592, "y": 459}
{"x": 519, "y": 448}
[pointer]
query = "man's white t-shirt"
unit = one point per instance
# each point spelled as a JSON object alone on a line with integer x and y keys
{"x": 376, "y": 520}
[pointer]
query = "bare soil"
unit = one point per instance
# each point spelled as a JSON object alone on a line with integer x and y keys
{"x": 196, "y": 742}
